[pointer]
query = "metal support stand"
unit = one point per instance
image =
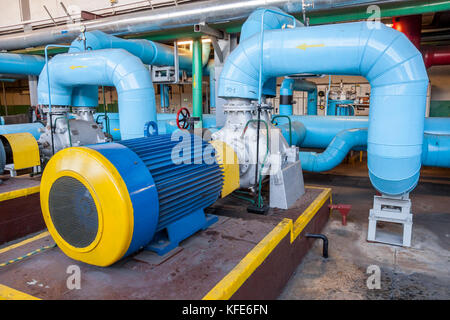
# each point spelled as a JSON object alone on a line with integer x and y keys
{"x": 393, "y": 210}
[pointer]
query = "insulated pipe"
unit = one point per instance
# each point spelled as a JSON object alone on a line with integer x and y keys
{"x": 411, "y": 26}
{"x": 109, "y": 67}
{"x": 321, "y": 130}
{"x": 286, "y": 95}
{"x": 388, "y": 60}
{"x": 24, "y": 64}
{"x": 33, "y": 128}
{"x": 272, "y": 21}
{"x": 336, "y": 151}
{"x": 436, "y": 56}
{"x": 436, "y": 150}
{"x": 151, "y": 53}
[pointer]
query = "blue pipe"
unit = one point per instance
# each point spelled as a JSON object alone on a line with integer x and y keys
{"x": 151, "y": 53}
{"x": 24, "y": 64}
{"x": 340, "y": 108}
{"x": 288, "y": 86}
{"x": 385, "y": 57}
{"x": 436, "y": 150}
{"x": 274, "y": 18}
{"x": 164, "y": 95}
{"x": 109, "y": 67}
{"x": 336, "y": 151}
{"x": 32, "y": 128}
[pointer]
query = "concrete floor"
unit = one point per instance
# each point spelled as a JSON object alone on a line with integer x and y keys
{"x": 419, "y": 272}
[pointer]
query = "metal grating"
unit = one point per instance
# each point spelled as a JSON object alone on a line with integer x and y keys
{"x": 73, "y": 212}
{"x": 182, "y": 188}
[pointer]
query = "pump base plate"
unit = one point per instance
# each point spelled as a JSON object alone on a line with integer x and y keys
{"x": 242, "y": 256}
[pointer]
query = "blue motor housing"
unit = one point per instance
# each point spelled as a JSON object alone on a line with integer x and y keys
{"x": 106, "y": 201}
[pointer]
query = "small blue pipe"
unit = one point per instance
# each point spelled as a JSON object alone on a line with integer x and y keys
{"x": 110, "y": 67}
{"x": 336, "y": 108}
{"x": 164, "y": 95}
{"x": 336, "y": 151}
{"x": 288, "y": 86}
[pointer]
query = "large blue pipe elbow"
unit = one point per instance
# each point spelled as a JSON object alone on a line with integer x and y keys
{"x": 389, "y": 61}
{"x": 24, "y": 64}
{"x": 335, "y": 152}
{"x": 150, "y": 53}
{"x": 110, "y": 67}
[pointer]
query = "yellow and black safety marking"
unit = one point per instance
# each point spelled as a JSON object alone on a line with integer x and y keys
{"x": 4, "y": 264}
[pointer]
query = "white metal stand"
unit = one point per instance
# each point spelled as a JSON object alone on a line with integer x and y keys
{"x": 393, "y": 210}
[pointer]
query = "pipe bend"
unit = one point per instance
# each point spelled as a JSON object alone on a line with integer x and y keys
{"x": 389, "y": 61}
{"x": 336, "y": 151}
{"x": 108, "y": 67}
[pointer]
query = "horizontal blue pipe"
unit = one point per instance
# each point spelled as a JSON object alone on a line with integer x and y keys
{"x": 340, "y": 108}
{"x": 385, "y": 57}
{"x": 109, "y": 67}
{"x": 336, "y": 151}
{"x": 11, "y": 63}
{"x": 320, "y": 130}
{"x": 151, "y": 53}
{"x": 436, "y": 150}
{"x": 32, "y": 128}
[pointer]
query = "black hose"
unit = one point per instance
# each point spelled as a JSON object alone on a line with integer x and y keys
{"x": 324, "y": 239}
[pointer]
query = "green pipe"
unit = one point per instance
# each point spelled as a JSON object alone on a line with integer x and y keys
{"x": 197, "y": 76}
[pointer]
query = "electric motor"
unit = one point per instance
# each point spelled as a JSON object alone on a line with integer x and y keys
{"x": 106, "y": 201}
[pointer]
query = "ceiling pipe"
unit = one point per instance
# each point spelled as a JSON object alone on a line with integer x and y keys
{"x": 183, "y": 15}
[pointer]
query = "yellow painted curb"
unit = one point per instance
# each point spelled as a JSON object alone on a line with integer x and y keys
{"x": 226, "y": 287}
{"x": 7, "y": 293}
{"x": 19, "y": 193}
{"x": 24, "y": 242}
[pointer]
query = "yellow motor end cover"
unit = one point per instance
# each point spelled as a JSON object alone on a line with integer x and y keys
{"x": 228, "y": 160}
{"x": 25, "y": 150}
{"x": 112, "y": 201}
